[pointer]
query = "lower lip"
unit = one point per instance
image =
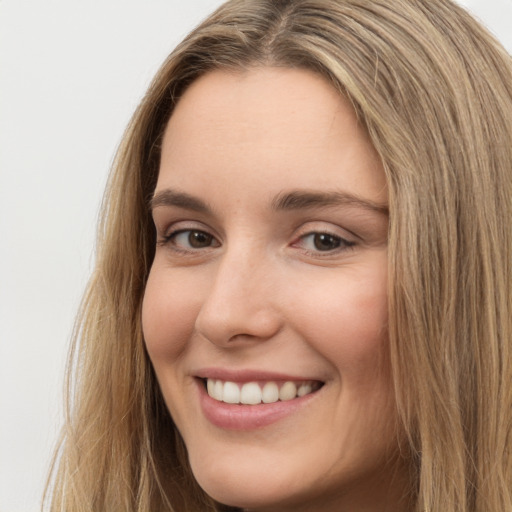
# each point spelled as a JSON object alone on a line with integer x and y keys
{"x": 248, "y": 417}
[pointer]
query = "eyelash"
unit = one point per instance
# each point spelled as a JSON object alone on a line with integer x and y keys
{"x": 342, "y": 244}
{"x": 170, "y": 239}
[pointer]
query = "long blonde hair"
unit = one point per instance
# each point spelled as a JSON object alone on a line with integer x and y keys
{"x": 434, "y": 91}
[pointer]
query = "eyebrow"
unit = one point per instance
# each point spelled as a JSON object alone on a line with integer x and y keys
{"x": 285, "y": 201}
{"x": 170, "y": 197}
{"x": 304, "y": 199}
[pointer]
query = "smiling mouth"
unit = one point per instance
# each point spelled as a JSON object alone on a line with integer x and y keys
{"x": 253, "y": 393}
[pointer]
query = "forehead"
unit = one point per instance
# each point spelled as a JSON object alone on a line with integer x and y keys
{"x": 287, "y": 127}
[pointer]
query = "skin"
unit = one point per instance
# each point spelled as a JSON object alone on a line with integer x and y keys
{"x": 258, "y": 293}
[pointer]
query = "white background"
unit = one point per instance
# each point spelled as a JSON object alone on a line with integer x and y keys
{"x": 71, "y": 74}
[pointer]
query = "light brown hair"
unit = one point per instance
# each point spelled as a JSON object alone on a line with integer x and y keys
{"x": 434, "y": 90}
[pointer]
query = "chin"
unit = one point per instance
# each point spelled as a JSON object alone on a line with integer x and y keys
{"x": 248, "y": 486}
{"x": 252, "y": 477}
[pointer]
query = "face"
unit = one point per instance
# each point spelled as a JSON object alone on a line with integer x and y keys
{"x": 265, "y": 310}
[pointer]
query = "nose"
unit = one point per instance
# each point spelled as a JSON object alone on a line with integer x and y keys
{"x": 240, "y": 305}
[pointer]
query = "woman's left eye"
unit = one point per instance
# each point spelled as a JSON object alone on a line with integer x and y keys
{"x": 323, "y": 242}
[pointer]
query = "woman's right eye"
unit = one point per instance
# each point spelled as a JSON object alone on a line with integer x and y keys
{"x": 189, "y": 240}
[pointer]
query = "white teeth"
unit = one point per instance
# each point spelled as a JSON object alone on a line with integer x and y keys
{"x": 270, "y": 393}
{"x": 251, "y": 393}
{"x": 304, "y": 389}
{"x": 218, "y": 391}
{"x": 288, "y": 391}
{"x": 210, "y": 385}
{"x": 231, "y": 393}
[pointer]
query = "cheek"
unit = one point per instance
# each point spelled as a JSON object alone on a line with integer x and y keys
{"x": 350, "y": 322}
{"x": 169, "y": 310}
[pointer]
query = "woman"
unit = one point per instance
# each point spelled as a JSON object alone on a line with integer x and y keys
{"x": 302, "y": 299}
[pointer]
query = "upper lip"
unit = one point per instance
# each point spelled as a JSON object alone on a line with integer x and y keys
{"x": 248, "y": 375}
